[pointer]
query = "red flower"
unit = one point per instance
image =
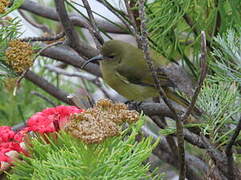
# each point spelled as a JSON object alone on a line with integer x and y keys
{"x": 6, "y": 134}
{"x": 7, "y": 147}
{"x": 4, "y": 157}
{"x": 19, "y": 136}
{"x": 51, "y": 119}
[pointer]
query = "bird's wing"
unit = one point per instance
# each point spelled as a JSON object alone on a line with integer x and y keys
{"x": 142, "y": 77}
{"x": 133, "y": 78}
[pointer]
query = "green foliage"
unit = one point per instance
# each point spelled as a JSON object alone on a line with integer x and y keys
{"x": 8, "y": 31}
{"x": 15, "y": 109}
{"x": 219, "y": 101}
{"x": 228, "y": 56}
{"x": 119, "y": 158}
{"x": 174, "y": 26}
{"x": 15, "y": 5}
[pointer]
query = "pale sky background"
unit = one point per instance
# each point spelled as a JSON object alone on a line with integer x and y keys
{"x": 95, "y": 6}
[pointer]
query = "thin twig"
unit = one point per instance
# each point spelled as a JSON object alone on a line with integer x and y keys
{"x": 133, "y": 22}
{"x": 43, "y": 97}
{"x": 115, "y": 12}
{"x": 50, "y": 13}
{"x": 3, "y": 73}
{"x": 94, "y": 29}
{"x": 217, "y": 156}
{"x": 44, "y": 38}
{"x": 73, "y": 39}
{"x": 94, "y": 79}
{"x": 229, "y": 152}
{"x": 217, "y": 18}
{"x": 48, "y": 87}
{"x": 67, "y": 55}
{"x": 46, "y": 47}
{"x": 43, "y": 27}
{"x": 179, "y": 125}
{"x": 203, "y": 74}
{"x": 65, "y": 73}
{"x": 190, "y": 22}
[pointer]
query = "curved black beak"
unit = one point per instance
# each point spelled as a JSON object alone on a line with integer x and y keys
{"x": 96, "y": 58}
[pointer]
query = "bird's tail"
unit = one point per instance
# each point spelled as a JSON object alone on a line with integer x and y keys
{"x": 180, "y": 100}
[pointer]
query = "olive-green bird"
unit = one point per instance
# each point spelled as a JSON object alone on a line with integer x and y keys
{"x": 125, "y": 70}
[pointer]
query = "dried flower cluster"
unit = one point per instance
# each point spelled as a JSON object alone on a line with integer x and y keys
{"x": 3, "y": 5}
{"x": 100, "y": 122}
{"x": 19, "y": 55}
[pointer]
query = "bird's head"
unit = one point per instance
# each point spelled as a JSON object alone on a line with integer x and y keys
{"x": 111, "y": 53}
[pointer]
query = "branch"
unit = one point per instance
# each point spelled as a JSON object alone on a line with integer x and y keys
{"x": 179, "y": 125}
{"x": 48, "y": 87}
{"x": 69, "y": 56}
{"x": 44, "y": 38}
{"x": 229, "y": 152}
{"x": 43, "y": 27}
{"x": 217, "y": 157}
{"x": 193, "y": 139}
{"x": 43, "y": 97}
{"x": 190, "y": 22}
{"x": 218, "y": 18}
{"x": 95, "y": 80}
{"x": 116, "y": 12}
{"x": 77, "y": 20}
{"x": 203, "y": 74}
{"x": 73, "y": 39}
{"x": 133, "y": 22}
{"x": 179, "y": 77}
{"x": 193, "y": 163}
{"x": 94, "y": 31}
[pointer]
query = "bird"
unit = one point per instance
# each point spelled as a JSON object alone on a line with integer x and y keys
{"x": 124, "y": 69}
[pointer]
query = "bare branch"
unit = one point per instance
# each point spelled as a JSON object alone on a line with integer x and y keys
{"x": 48, "y": 87}
{"x": 77, "y": 20}
{"x": 179, "y": 125}
{"x": 115, "y": 12}
{"x": 94, "y": 29}
{"x": 43, "y": 27}
{"x": 73, "y": 38}
{"x": 19, "y": 126}
{"x": 190, "y": 22}
{"x": 43, "y": 97}
{"x": 179, "y": 77}
{"x": 229, "y": 152}
{"x": 67, "y": 55}
{"x": 95, "y": 80}
{"x": 44, "y": 38}
{"x": 134, "y": 24}
{"x": 203, "y": 74}
{"x": 131, "y": 16}
{"x": 57, "y": 70}
{"x": 217, "y": 157}
{"x": 193, "y": 163}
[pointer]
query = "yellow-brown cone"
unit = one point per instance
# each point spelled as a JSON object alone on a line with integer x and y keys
{"x": 19, "y": 55}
